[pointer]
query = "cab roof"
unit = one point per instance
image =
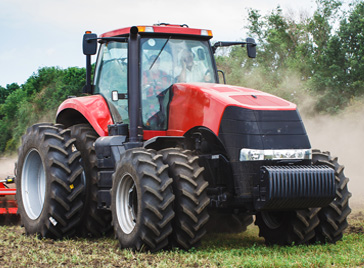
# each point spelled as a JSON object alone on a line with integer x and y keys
{"x": 162, "y": 28}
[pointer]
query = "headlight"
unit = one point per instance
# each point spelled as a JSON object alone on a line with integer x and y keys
{"x": 285, "y": 154}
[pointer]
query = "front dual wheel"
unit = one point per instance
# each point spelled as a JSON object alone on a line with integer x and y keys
{"x": 287, "y": 227}
{"x": 159, "y": 200}
{"x": 142, "y": 200}
{"x": 326, "y": 224}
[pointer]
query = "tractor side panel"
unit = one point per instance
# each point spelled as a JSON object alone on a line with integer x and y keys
{"x": 191, "y": 107}
{"x": 93, "y": 108}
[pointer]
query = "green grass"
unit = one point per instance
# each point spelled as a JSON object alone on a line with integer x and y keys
{"x": 217, "y": 250}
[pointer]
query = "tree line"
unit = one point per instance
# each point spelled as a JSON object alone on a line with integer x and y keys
{"x": 34, "y": 101}
{"x": 297, "y": 55}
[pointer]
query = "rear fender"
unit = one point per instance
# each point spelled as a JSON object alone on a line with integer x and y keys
{"x": 90, "y": 109}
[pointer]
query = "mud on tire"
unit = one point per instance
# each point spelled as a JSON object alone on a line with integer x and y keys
{"x": 95, "y": 222}
{"x": 333, "y": 218}
{"x": 49, "y": 184}
{"x": 191, "y": 201}
{"x": 142, "y": 200}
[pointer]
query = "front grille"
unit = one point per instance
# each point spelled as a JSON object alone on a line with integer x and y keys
{"x": 261, "y": 129}
{"x": 294, "y": 187}
{"x": 258, "y": 129}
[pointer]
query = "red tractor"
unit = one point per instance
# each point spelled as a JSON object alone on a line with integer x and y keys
{"x": 158, "y": 147}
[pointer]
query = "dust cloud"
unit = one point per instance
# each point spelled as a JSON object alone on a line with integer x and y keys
{"x": 342, "y": 135}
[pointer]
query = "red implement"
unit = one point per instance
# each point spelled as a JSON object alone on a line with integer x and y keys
{"x": 8, "y": 203}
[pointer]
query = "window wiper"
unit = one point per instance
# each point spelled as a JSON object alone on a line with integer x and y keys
{"x": 156, "y": 58}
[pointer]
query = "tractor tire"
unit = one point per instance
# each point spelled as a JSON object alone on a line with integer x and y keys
{"x": 95, "y": 222}
{"x": 142, "y": 200}
{"x": 333, "y": 218}
{"x": 190, "y": 206}
{"x": 49, "y": 182}
{"x": 287, "y": 227}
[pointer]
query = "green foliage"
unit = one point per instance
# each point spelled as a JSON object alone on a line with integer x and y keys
{"x": 4, "y": 92}
{"x": 34, "y": 101}
{"x": 339, "y": 73}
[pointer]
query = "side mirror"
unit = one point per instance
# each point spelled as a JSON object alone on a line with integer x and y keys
{"x": 251, "y": 47}
{"x": 89, "y": 43}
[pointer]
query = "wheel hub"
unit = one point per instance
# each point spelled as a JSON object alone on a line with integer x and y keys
{"x": 33, "y": 182}
{"x": 126, "y": 203}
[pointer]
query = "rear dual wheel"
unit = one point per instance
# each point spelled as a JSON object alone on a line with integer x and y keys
{"x": 49, "y": 182}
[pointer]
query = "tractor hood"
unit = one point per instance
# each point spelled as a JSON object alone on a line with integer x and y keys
{"x": 203, "y": 104}
{"x": 240, "y": 96}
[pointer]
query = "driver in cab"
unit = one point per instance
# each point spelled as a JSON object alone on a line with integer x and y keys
{"x": 192, "y": 71}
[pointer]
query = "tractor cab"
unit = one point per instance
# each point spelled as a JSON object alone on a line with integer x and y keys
{"x": 137, "y": 67}
{"x": 164, "y": 61}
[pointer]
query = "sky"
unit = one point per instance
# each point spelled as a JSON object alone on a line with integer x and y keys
{"x": 39, "y": 33}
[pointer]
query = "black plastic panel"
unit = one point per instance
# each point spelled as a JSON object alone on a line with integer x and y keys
{"x": 294, "y": 187}
{"x": 243, "y": 128}
{"x": 258, "y": 129}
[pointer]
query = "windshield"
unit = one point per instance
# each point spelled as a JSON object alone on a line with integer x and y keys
{"x": 165, "y": 61}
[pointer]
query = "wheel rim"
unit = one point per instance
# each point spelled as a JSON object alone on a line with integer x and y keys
{"x": 273, "y": 220}
{"x": 33, "y": 182}
{"x": 126, "y": 203}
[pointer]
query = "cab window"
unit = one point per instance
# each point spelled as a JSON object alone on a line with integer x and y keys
{"x": 111, "y": 77}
